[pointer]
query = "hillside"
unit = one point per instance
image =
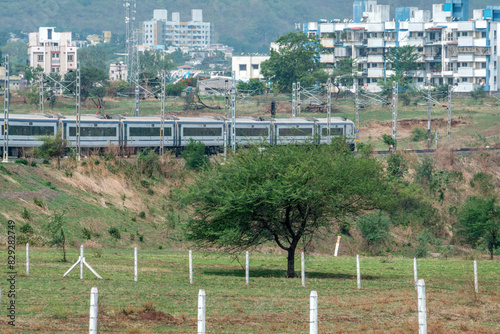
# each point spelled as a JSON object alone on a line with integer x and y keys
{"x": 247, "y": 25}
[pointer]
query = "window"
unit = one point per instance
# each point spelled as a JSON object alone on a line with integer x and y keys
{"x": 252, "y": 132}
{"x": 70, "y": 57}
{"x": 464, "y": 64}
{"x": 333, "y": 132}
{"x": 465, "y": 80}
{"x": 243, "y": 67}
{"x": 483, "y": 34}
{"x": 149, "y": 132}
{"x": 202, "y": 132}
{"x": 420, "y": 79}
{"x": 86, "y": 131}
{"x": 464, "y": 33}
{"x": 255, "y": 66}
{"x": 26, "y": 130}
{"x": 40, "y": 57}
{"x": 293, "y": 132}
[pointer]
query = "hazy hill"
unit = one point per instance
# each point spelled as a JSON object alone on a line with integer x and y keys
{"x": 236, "y": 22}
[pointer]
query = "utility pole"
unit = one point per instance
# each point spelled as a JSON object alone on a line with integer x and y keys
{"x": 429, "y": 107}
{"x": 233, "y": 108}
{"x": 294, "y": 101}
{"x": 78, "y": 111}
{"x": 357, "y": 107}
{"x": 130, "y": 10}
{"x": 394, "y": 112}
{"x": 135, "y": 67}
{"x": 298, "y": 99}
{"x": 162, "y": 128}
{"x": 6, "y": 101}
{"x": 449, "y": 113}
{"x": 226, "y": 116}
{"x": 329, "y": 109}
{"x": 40, "y": 91}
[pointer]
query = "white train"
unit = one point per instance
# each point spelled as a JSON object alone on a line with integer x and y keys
{"x": 136, "y": 133}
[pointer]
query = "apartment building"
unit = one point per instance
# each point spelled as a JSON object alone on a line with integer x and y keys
{"x": 161, "y": 33}
{"x": 247, "y": 67}
{"x": 52, "y": 51}
{"x": 454, "y": 49}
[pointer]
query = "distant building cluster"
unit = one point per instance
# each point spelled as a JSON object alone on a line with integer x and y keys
{"x": 454, "y": 49}
{"x": 161, "y": 33}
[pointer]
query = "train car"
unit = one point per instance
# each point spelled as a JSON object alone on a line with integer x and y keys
{"x": 24, "y": 131}
{"x": 251, "y": 130}
{"x": 293, "y": 130}
{"x": 208, "y": 130}
{"x": 338, "y": 127}
{"x": 144, "y": 132}
{"x": 95, "y": 131}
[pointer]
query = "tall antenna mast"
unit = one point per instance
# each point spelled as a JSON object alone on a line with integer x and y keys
{"x": 395, "y": 91}
{"x": 233, "y": 107}
{"x": 78, "y": 111}
{"x": 162, "y": 128}
{"x": 130, "y": 10}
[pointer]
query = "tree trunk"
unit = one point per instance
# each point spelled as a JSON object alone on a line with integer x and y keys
{"x": 491, "y": 253}
{"x": 290, "y": 273}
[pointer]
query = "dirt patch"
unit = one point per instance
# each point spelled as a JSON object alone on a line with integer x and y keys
{"x": 45, "y": 193}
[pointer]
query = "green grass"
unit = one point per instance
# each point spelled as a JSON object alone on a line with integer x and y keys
{"x": 387, "y": 302}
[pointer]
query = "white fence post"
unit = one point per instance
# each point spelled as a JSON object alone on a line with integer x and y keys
{"x": 415, "y": 274}
{"x": 247, "y": 271}
{"x": 136, "y": 271}
{"x": 27, "y": 259}
{"x": 476, "y": 284}
{"x": 303, "y": 269}
{"x": 81, "y": 262}
{"x": 93, "y": 311}
{"x": 337, "y": 246}
{"x": 191, "y": 266}
{"x": 422, "y": 312}
{"x": 313, "y": 317}
{"x": 201, "y": 312}
{"x": 358, "y": 271}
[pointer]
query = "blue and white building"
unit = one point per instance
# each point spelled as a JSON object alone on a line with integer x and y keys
{"x": 453, "y": 47}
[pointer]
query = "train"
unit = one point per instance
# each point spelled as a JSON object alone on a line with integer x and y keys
{"x": 135, "y": 133}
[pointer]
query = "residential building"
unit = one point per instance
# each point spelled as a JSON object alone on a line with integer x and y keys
{"x": 159, "y": 31}
{"x": 52, "y": 51}
{"x": 247, "y": 67}
{"x": 118, "y": 71}
{"x": 106, "y": 36}
{"x": 453, "y": 48}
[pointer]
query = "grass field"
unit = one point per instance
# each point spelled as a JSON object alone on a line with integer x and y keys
{"x": 164, "y": 301}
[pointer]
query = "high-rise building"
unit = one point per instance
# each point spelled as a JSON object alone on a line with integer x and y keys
{"x": 52, "y": 51}
{"x": 453, "y": 49}
{"x": 161, "y": 33}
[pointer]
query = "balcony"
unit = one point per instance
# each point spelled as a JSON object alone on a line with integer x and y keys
{"x": 480, "y": 42}
{"x": 375, "y": 42}
{"x": 465, "y": 72}
{"x": 376, "y": 72}
{"x": 481, "y": 72}
{"x": 465, "y": 41}
{"x": 327, "y": 58}
{"x": 375, "y": 58}
{"x": 466, "y": 57}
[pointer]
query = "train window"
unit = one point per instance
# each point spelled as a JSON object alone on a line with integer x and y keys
{"x": 333, "y": 132}
{"x": 25, "y": 130}
{"x": 294, "y": 132}
{"x": 202, "y": 132}
{"x": 147, "y": 132}
{"x": 93, "y": 132}
{"x": 252, "y": 132}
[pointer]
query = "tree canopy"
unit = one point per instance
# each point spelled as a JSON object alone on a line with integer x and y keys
{"x": 479, "y": 223}
{"x": 281, "y": 194}
{"x": 93, "y": 81}
{"x": 402, "y": 59}
{"x": 296, "y": 60}
{"x": 52, "y": 147}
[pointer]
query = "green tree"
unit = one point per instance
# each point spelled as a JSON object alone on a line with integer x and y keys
{"x": 52, "y": 147}
{"x": 93, "y": 79}
{"x": 253, "y": 86}
{"x": 195, "y": 156}
{"x": 479, "y": 223}
{"x": 401, "y": 60}
{"x": 282, "y": 194}
{"x": 92, "y": 56}
{"x": 374, "y": 228}
{"x": 296, "y": 60}
{"x": 56, "y": 232}
{"x": 478, "y": 93}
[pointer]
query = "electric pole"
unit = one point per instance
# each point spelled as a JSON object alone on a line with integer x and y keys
{"x": 294, "y": 101}
{"x": 233, "y": 108}
{"x": 78, "y": 111}
{"x": 6, "y": 101}
{"x": 40, "y": 90}
{"x": 298, "y": 99}
{"x": 357, "y": 107}
{"x": 329, "y": 108}
{"x": 162, "y": 127}
{"x": 449, "y": 113}
{"x": 394, "y": 113}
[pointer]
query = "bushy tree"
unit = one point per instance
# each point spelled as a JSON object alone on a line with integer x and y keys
{"x": 92, "y": 81}
{"x": 281, "y": 193}
{"x": 396, "y": 165}
{"x": 195, "y": 156}
{"x": 479, "y": 223}
{"x": 253, "y": 86}
{"x": 374, "y": 228}
{"x": 52, "y": 147}
{"x": 56, "y": 232}
{"x": 296, "y": 60}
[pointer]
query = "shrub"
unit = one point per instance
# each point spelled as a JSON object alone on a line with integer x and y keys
{"x": 26, "y": 214}
{"x": 142, "y": 214}
{"x": 418, "y": 134}
{"x": 388, "y": 140}
{"x": 33, "y": 163}
{"x": 21, "y": 161}
{"x": 134, "y": 219}
{"x": 84, "y": 163}
{"x": 483, "y": 181}
{"x": 405, "y": 99}
{"x": 424, "y": 171}
{"x": 39, "y": 202}
{"x": 145, "y": 183}
{"x": 46, "y": 162}
{"x": 86, "y": 233}
{"x": 27, "y": 229}
{"x": 174, "y": 90}
{"x": 374, "y": 227}
{"x": 396, "y": 165}
{"x": 151, "y": 192}
{"x": 132, "y": 237}
{"x": 97, "y": 162}
{"x": 195, "y": 156}
{"x": 115, "y": 233}
{"x": 160, "y": 247}
{"x": 5, "y": 170}
{"x": 141, "y": 238}
{"x": 365, "y": 149}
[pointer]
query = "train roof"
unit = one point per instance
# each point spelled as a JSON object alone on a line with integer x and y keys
{"x": 34, "y": 117}
{"x": 92, "y": 118}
